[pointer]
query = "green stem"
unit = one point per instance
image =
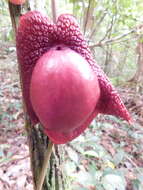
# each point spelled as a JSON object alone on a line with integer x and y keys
{"x": 45, "y": 166}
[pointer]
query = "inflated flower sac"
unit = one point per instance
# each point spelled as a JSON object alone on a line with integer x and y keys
{"x": 63, "y": 87}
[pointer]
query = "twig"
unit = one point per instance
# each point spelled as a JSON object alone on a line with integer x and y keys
{"x": 45, "y": 165}
{"x": 87, "y": 16}
{"x": 6, "y": 184}
{"x": 112, "y": 39}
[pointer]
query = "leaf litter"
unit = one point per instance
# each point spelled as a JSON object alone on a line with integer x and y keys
{"x": 108, "y": 155}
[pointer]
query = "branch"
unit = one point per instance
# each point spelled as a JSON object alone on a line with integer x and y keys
{"x": 112, "y": 40}
{"x": 101, "y": 19}
{"x": 54, "y": 10}
{"x": 98, "y": 23}
{"x": 108, "y": 31}
{"x": 87, "y": 16}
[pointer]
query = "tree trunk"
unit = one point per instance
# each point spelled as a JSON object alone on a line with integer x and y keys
{"x": 138, "y": 77}
{"x": 38, "y": 141}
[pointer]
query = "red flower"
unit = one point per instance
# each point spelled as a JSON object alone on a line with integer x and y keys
{"x": 36, "y": 38}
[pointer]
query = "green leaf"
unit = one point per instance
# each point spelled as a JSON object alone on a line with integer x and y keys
{"x": 91, "y": 153}
{"x": 73, "y": 155}
{"x": 70, "y": 168}
{"x": 119, "y": 157}
{"x": 113, "y": 182}
{"x": 85, "y": 178}
{"x": 136, "y": 184}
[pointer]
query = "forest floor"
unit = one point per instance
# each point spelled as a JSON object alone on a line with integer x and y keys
{"x": 110, "y": 148}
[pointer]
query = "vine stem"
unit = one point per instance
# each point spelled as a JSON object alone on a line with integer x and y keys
{"x": 45, "y": 165}
{"x": 50, "y": 144}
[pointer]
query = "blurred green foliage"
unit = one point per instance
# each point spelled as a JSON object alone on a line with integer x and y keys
{"x": 6, "y": 33}
{"x": 100, "y": 21}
